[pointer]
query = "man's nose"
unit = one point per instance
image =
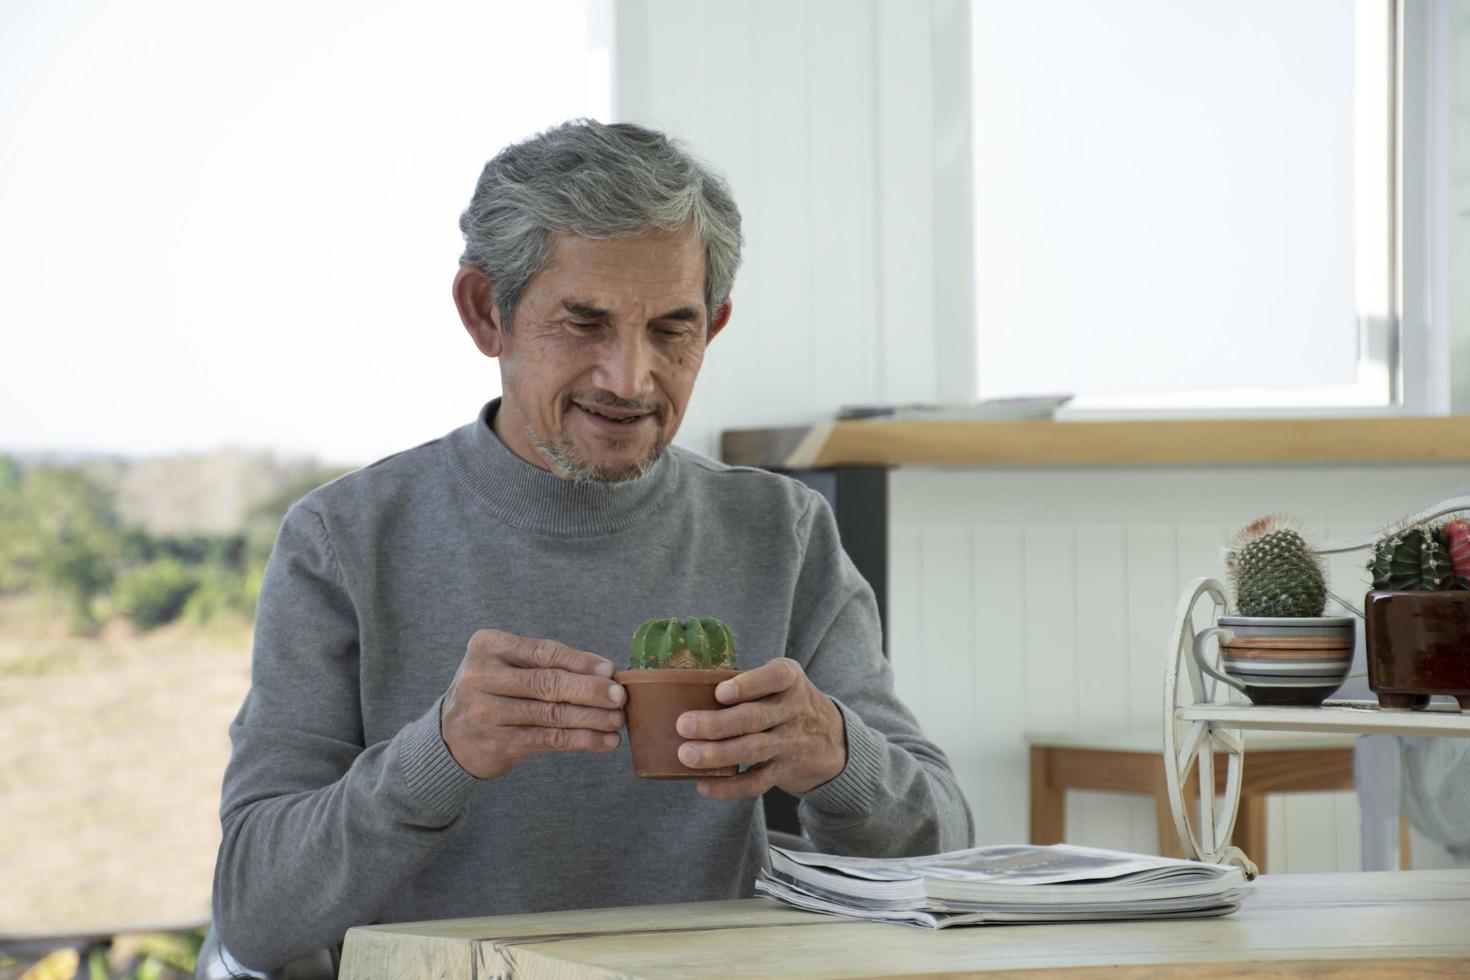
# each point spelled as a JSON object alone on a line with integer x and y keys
{"x": 626, "y": 367}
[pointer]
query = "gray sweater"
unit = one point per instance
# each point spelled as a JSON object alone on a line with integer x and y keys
{"x": 341, "y": 804}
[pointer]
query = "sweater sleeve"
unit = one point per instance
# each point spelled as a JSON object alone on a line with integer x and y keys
{"x": 319, "y": 829}
{"x": 897, "y": 794}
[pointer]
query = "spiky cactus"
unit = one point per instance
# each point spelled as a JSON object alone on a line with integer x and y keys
{"x": 1412, "y": 559}
{"x": 693, "y": 642}
{"x": 1274, "y": 572}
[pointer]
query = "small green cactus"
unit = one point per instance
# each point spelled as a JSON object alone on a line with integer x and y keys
{"x": 693, "y": 642}
{"x": 1413, "y": 559}
{"x": 1274, "y": 572}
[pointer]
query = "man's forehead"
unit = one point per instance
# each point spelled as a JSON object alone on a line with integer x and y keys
{"x": 594, "y": 272}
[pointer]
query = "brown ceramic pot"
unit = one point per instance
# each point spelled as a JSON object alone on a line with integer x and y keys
{"x": 656, "y": 699}
{"x": 1418, "y": 645}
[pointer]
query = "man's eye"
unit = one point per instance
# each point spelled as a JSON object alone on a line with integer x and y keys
{"x": 584, "y": 325}
{"x": 671, "y": 333}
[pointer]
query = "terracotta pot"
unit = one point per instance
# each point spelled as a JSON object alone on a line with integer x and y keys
{"x": 1418, "y": 645}
{"x": 656, "y": 699}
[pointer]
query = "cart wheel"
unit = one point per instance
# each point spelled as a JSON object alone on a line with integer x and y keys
{"x": 1190, "y": 746}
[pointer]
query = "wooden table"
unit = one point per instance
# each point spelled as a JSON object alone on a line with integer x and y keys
{"x": 1331, "y": 925}
{"x": 1130, "y": 763}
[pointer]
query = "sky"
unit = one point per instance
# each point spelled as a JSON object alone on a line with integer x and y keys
{"x": 237, "y": 225}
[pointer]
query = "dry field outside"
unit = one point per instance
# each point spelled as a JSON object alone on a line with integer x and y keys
{"x": 111, "y": 754}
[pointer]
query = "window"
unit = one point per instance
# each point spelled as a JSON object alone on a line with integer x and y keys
{"x": 1195, "y": 205}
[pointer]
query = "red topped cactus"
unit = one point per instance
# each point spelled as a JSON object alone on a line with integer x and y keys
{"x": 1457, "y": 543}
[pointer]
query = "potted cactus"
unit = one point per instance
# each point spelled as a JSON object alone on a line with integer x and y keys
{"x": 674, "y": 667}
{"x": 1418, "y": 614}
{"x": 1278, "y": 647}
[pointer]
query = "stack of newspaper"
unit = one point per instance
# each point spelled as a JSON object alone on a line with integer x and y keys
{"x": 1005, "y": 883}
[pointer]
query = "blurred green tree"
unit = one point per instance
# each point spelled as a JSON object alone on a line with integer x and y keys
{"x": 58, "y": 530}
{"x": 156, "y": 593}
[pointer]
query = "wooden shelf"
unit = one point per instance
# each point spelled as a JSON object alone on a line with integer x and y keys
{"x": 875, "y": 442}
{"x": 1356, "y": 717}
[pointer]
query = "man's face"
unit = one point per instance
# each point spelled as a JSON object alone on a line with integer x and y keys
{"x": 607, "y": 341}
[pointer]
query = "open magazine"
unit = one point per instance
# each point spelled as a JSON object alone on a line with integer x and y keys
{"x": 1003, "y": 883}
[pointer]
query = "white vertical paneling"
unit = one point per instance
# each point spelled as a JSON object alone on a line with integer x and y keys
{"x": 782, "y": 105}
{"x": 843, "y": 173}
{"x": 1000, "y": 639}
{"x": 632, "y": 81}
{"x": 1277, "y": 820}
{"x": 954, "y": 251}
{"x": 1104, "y": 820}
{"x": 1102, "y": 627}
{"x": 905, "y": 618}
{"x": 949, "y": 647}
{"x": 670, "y": 25}
{"x": 1200, "y": 547}
{"x": 1152, "y": 578}
{"x": 1101, "y": 820}
{"x": 1349, "y": 856}
{"x": 1050, "y": 607}
{"x": 906, "y": 300}
{"x": 1311, "y": 834}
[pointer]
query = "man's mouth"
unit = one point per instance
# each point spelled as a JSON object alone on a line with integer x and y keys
{"x": 617, "y": 416}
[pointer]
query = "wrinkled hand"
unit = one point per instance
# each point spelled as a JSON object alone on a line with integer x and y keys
{"x": 789, "y": 733}
{"x": 513, "y": 697}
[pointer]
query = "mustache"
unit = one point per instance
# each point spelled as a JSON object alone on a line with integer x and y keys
{"x": 601, "y": 397}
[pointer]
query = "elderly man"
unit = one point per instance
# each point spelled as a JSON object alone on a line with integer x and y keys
{"x": 432, "y": 728}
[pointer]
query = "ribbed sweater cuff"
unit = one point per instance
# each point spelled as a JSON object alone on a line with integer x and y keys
{"x": 433, "y": 777}
{"x": 851, "y": 791}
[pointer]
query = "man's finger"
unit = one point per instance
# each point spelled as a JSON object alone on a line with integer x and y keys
{"x": 539, "y": 739}
{"x": 538, "y": 684}
{"x": 752, "y": 782}
{"x": 524, "y": 651}
{"x": 769, "y": 678}
{"x": 747, "y": 750}
{"x": 740, "y": 719}
{"x": 556, "y": 714}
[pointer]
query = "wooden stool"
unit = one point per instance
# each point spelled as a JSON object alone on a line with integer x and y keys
{"x": 1275, "y": 762}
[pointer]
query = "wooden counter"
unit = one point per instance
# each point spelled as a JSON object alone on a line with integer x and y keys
{"x": 1343, "y": 925}
{"x": 1438, "y": 439}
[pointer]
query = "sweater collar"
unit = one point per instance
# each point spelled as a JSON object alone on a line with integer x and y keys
{"x": 528, "y": 497}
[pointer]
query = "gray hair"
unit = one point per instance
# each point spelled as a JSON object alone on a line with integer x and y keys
{"x": 594, "y": 180}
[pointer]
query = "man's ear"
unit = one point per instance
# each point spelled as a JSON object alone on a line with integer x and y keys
{"x": 718, "y": 321}
{"x": 474, "y": 297}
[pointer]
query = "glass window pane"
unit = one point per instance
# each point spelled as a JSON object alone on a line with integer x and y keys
{"x": 1165, "y": 195}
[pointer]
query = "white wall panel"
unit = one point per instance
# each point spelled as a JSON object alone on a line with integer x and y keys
{"x": 1152, "y": 579}
{"x": 1049, "y": 605}
{"x": 948, "y": 618}
{"x": 840, "y": 323}
{"x": 908, "y": 366}
{"x": 997, "y": 650}
{"x": 906, "y": 590}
